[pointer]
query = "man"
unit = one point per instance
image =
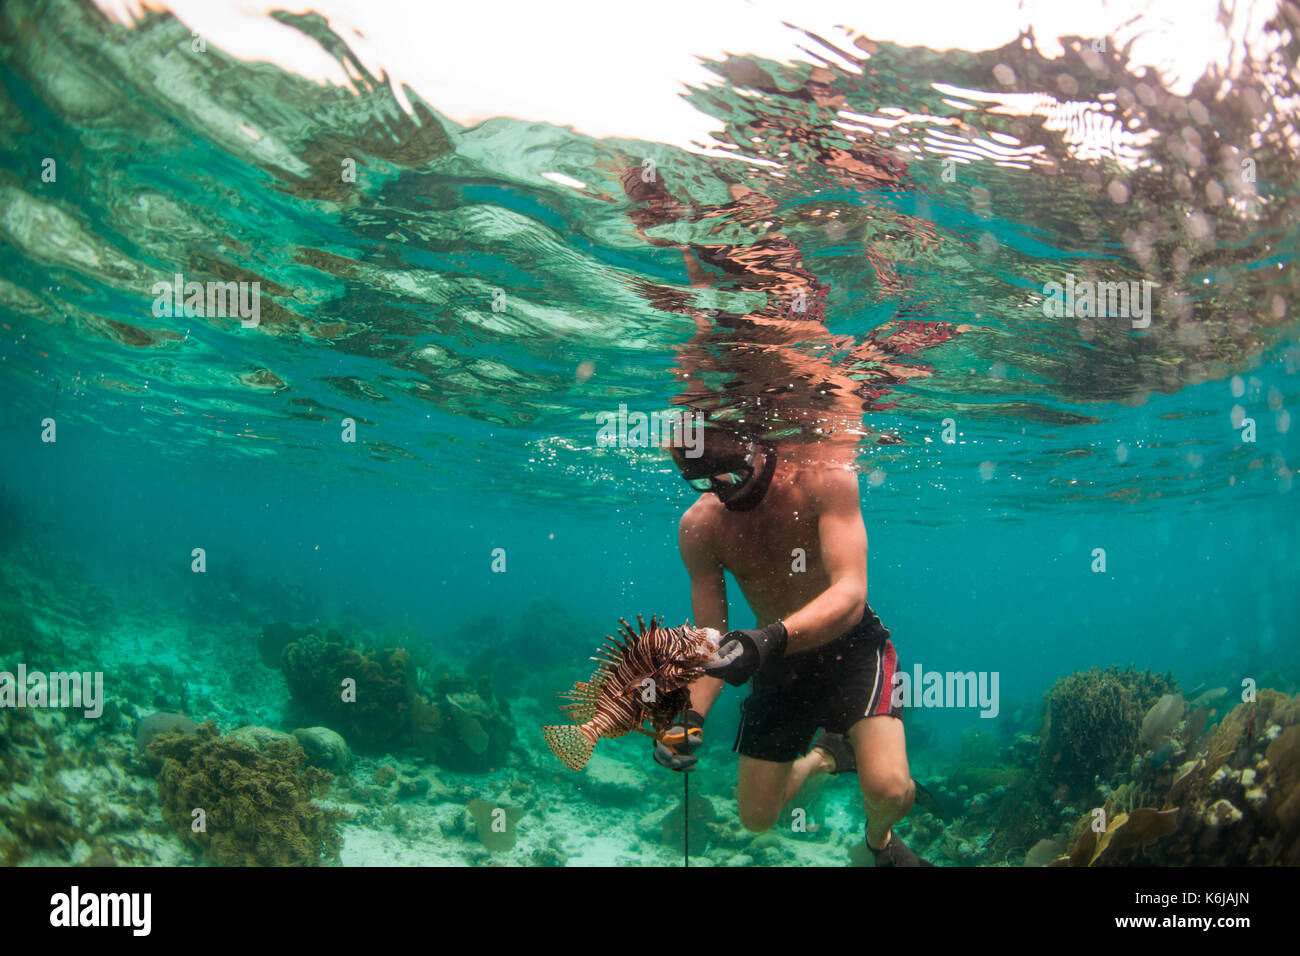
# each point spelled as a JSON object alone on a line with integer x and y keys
{"x": 791, "y": 533}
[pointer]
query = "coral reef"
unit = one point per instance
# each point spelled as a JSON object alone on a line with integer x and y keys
{"x": 66, "y": 796}
{"x": 275, "y": 637}
{"x": 257, "y": 805}
{"x": 1234, "y": 802}
{"x": 161, "y": 723}
{"x": 260, "y": 738}
{"x": 1167, "y": 790}
{"x": 1093, "y": 722}
{"x": 158, "y": 723}
{"x": 1183, "y": 784}
{"x": 451, "y": 719}
{"x": 374, "y": 712}
{"x": 461, "y": 724}
{"x": 1160, "y": 721}
{"x": 1126, "y": 831}
{"x": 1020, "y": 802}
{"x": 325, "y": 748}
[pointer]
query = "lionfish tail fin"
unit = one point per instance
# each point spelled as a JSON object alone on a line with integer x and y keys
{"x": 570, "y": 744}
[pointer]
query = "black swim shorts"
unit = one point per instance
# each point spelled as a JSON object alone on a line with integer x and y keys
{"x": 832, "y": 687}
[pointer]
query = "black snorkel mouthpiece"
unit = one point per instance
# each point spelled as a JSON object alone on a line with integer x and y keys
{"x": 737, "y": 477}
{"x": 750, "y": 494}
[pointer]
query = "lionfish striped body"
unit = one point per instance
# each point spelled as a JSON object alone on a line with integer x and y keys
{"x": 642, "y": 674}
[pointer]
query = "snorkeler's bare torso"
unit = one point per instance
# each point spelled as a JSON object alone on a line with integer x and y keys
{"x": 774, "y": 551}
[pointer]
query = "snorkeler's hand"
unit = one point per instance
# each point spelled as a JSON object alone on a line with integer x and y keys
{"x": 742, "y": 654}
{"x": 675, "y": 746}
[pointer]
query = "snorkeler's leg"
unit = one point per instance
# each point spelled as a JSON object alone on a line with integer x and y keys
{"x": 815, "y": 762}
{"x": 762, "y": 792}
{"x": 704, "y": 693}
{"x": 884, "y": 774}
{"x": 775, "y": 730}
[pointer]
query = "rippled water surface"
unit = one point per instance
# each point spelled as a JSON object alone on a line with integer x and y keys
{"x": 916, "y": 202}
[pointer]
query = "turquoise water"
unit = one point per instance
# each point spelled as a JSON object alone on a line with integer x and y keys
{"x": 476, "y": 428}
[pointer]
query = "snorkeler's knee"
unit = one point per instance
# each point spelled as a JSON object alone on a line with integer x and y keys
{"x": 888, "y": 788}
{"x": 756, "y": 813}
{"x": 757, "y": 820}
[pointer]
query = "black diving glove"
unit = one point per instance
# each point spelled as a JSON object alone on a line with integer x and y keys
{"x": 742, "y": 654}
{"x": 675, "y": 746}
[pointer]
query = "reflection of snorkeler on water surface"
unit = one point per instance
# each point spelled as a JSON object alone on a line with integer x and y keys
{"x": 778, "y": 362}
{"x": 783, "y": 514}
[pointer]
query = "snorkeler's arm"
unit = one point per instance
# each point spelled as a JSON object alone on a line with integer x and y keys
{"x": 843, "y": 537}
{"x": 708, "y": 595}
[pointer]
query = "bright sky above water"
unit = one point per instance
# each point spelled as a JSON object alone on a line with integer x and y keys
{"x": 616, "y": 69}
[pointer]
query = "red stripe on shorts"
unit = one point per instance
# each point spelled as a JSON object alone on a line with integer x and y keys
{"x": 883, "y": 703}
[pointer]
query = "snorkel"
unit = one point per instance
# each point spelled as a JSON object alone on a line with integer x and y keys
{"x": 738, "y": 472}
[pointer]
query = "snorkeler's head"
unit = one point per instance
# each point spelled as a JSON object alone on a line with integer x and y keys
{"x": 735, "y": 467}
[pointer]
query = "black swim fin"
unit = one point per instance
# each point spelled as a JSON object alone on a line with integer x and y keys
{"x": 841, "y": 751}
{"x": 928, "y": 801}
{"x": 897, "y": 853}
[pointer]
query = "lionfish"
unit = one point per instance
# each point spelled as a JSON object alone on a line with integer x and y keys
{"x": 641, "y": 675}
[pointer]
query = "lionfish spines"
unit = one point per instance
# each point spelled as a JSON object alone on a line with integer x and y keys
{"x": 641, "y": 674}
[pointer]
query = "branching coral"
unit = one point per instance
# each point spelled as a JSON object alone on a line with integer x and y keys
{"x": 256, "y": 807}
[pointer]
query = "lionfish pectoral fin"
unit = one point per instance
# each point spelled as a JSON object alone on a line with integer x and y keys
{"x": 581, "y": 706}
{"x": 570, "y": 744}
{"x": 579, "y": 712}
